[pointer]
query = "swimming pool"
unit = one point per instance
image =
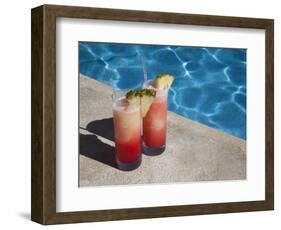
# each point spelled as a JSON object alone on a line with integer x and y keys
{"x": 209, "y": 86}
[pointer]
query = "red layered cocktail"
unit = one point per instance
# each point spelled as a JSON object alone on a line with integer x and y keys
{"x": 127, "y": 130}
{"x": 155, "y": 124}
{"x": 155, "y": 121}
{"x": 128, "y": 112}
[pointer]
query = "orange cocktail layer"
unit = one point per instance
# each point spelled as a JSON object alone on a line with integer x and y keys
{"x": 155, "y": 123}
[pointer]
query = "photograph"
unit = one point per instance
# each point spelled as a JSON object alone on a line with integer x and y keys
{"x": 161, "y": 114}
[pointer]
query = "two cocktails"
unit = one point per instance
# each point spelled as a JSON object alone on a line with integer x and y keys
{"x": 140, "y": 122}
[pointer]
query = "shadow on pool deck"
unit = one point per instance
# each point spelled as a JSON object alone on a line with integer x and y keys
{"x": 92, "y": 147}
{"x": 103, "y": 127}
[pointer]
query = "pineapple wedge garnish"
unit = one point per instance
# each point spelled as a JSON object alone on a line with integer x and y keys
{"x": 164, "y": 81}
{"x": 133, "y": 97}
{"x": 142, "y": 97}
{"x": 147, "y": 97}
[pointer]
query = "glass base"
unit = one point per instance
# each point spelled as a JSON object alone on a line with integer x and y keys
{"x": 152, "y": 151}
{"x": 128, "y": 166}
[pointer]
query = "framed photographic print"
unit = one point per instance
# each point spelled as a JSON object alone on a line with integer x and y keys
{"x": 140, "y": 114}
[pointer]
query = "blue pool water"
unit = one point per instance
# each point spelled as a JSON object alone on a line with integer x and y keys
{"x": 209, "y": 86}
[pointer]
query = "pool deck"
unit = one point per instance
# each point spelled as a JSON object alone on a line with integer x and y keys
{"x": 194, "y": 152}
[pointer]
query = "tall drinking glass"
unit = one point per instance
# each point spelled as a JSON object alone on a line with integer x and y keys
{"x": 127, "y": 131}
{"x": 155, "y": 123}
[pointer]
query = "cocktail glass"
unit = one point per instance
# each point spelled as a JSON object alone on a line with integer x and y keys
{"x": 127, "y": 122}
{"x": 155, "y": 123}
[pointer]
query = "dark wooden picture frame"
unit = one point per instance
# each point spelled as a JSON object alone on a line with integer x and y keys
{"x": 43, "y": 170}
